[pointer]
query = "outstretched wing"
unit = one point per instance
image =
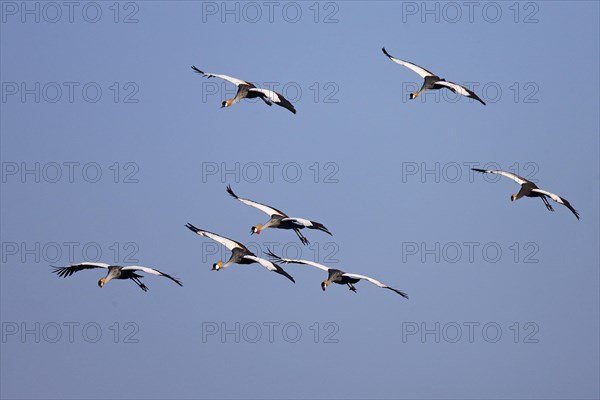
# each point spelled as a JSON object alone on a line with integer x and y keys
{"x": 300, "y": 222}
{"x": 275, "y": 97}
{"x": 558, "y": 199}
{"x": 291, "y": 261}
{"x": 375, "y": 282}
{"x": 414, "y": 67}
{"x": 262, "y": 207}
{"x": 235, "y": 81}
{"x": 230, "y": 244}
{"x": 456, "y": 88}
{"x": 305, "y": 223}
{"x": 71, "y": 269}
{"x": 151, "y": 271}
{"x": 508, "y": 175}
{"x": 270, "y": 266}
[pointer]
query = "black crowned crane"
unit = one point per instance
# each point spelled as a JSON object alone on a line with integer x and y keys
{"x": 247, "y": 90}
{"x": 239, "y": 253}
{"x": 336, "y": 275}
{"x": 432, "y": 81}
{"x": 530, "y": 189}
{"x": 279, "y": 219}
{"x": 114, "y": 272}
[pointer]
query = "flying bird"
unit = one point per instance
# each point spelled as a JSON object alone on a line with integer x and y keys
{"x": 114, "y": 272}
{"x": 280, "y": 220}
{"x": 239, "y": 253}
{"x": 336, "y": 275}
{"x": 530, "y": 189}
{"x": 247, "y": 90}
{"x": 432, "y": 81}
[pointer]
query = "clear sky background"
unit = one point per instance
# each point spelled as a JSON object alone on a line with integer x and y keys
{"x": 110, "y": 144}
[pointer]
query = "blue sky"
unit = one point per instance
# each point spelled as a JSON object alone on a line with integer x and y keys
{"x": 110, "y": 144}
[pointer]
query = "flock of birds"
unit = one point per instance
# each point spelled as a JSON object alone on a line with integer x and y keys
{"x": 279, "y": 220}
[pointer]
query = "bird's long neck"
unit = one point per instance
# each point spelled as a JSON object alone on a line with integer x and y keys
{"x": 268, "y": 224}
{"x": 229, "y": 263}
{"x": 417, "y": 94}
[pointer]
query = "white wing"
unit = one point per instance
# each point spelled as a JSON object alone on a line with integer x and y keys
{"x": 265, "y": 263}
{"x": 559, "y": 200}
{"x": 91, "y": 265}
{"x": 553, "y": 196}
{"x": 373, "y": 281}
{"x": 235, "y": 81}
{"x": 460, "y": 90}
{"x": 270, "y": 266}
{"x": 299, "y": 221}
{"x": 456, "y": 87}
{"x": 147, "y": 270}
{"x": 151, "y": 271}
{"x": 508, "y": 175}
{"x": 230, "y": 244}
{"x": 414, "y": 67}
{"x": 262, "y": 207}
{"x": 289, "y": 260}
{"x": 271, "y": 95}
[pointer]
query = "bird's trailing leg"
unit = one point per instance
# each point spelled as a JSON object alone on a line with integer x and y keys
{"x": 548, "y": 205}
{"x": 352, "y": 288}
{"x": 303, "y": 239}
{"x": 139, "y": 283}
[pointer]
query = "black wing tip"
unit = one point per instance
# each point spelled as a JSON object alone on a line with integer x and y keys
{"x": 177, "y": 281}
{"x": 321, "y": 227}
{"x": 401, "y": 293}
{"x": 62, "y": 272}
{"x": 230, "y": 191}
{"x": 479, "y": 170}
{"x": 192, "y": 228}
{"x": 285, "y": 103}
{"x": 197, "y": 70}
{"x": 385, "y": 52}
{"x": 56, "y": 270}
{"x": 324, "y": 229}
{"x": 284, "y": 273}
